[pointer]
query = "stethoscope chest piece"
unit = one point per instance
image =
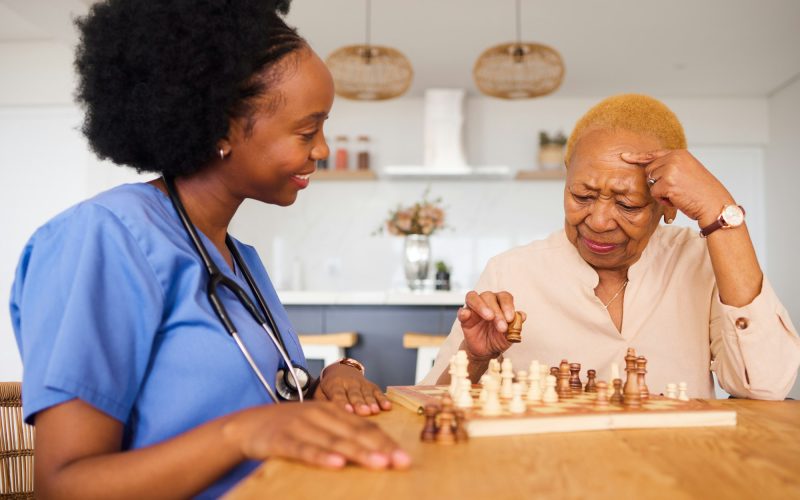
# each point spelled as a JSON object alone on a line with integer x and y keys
{"x": 285, "y": 383}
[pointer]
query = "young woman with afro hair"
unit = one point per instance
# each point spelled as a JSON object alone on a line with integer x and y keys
{"x": 135, "y": 386}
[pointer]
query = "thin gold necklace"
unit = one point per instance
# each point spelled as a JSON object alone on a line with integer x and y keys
{"x": 605, "y": 306}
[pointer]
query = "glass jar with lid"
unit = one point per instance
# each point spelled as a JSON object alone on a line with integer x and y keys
{"x": 342, "y": 159}
{"x": 362, "y": 150}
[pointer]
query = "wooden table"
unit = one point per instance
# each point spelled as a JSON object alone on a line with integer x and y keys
{"x": 759, "y": 458}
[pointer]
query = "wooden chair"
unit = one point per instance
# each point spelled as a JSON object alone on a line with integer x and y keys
{"x": 16, "y": 445}
{"x": 327, "y": 347}
{"x": 427, "y": 346}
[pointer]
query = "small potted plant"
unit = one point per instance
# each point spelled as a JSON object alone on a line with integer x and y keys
{"x": 551, "y": 150}
{"x": 442, "y": 276}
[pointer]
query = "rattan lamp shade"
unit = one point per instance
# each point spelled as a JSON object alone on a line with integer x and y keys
{"x": 370, "y": 72}
{"x": 518, "y": 70}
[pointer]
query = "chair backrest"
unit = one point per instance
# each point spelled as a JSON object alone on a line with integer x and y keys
{"x": 16, "y": 445}
{"x": 427, "y": 346}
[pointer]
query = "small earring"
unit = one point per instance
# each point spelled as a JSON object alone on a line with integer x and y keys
{"x": 221, "y": 154}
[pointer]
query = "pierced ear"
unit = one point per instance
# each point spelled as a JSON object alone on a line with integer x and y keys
{"x": 224, "y": 148}
{"x": 669, "y": 214}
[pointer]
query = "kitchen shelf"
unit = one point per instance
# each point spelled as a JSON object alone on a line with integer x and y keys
{"x": 541, "y": 175}
{"x": 416, "y": 172}
{"x": 344, "y": 175}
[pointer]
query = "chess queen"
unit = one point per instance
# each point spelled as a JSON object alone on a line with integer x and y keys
{"x": 693, "y": 299}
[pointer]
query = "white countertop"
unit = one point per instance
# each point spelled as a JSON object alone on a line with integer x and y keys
{"x": 376, "y": 298}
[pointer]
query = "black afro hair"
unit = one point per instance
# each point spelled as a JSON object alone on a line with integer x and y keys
{"x": 160, "y": 80}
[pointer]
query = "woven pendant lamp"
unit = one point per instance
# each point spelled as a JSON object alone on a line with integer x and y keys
{"x": 518, "y": 70}
{"x": 369, "y": 72}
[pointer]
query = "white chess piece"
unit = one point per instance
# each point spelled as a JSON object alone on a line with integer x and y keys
{"x": 672, "y": 391}
{"x": 453, "y": 378}
{"x": 465, "y": 397}
{"x": 534, "y": 387}
{"x": 483, "y": 394}
{"x": 544, "y": 371}
{"x": 494, "y": 366}
{"x": 550, "y": 394}
{"x": 507, "y": 379}
{"x": 522, "y": 379}
{"x": 492, "y": 406}
{"x": 517, "y": 405}
{"x": 682, "y": 388}
{"x": 533, "y": 367}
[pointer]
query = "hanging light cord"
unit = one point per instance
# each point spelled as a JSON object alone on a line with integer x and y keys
{"x": 519, "y": 24}
{"x": 369, "y": 4}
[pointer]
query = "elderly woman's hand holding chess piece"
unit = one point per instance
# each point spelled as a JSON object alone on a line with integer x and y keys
{"x": 491, "y": 325}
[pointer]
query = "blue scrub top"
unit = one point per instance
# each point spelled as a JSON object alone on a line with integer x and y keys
{"x": 109, "y": 305}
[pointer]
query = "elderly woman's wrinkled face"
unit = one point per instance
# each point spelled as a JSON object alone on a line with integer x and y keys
{"x": 610, "y": 214}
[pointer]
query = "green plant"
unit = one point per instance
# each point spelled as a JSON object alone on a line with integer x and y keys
{"x": 545, "y": 140}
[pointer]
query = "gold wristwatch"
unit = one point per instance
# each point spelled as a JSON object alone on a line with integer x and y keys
{"x": 731, "y": 216}
{"x": 354, "y": 363}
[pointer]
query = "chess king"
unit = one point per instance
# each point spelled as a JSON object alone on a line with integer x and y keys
{"x": 695, "y": 299}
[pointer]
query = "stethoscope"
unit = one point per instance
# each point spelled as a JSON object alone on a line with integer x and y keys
{"x": 291, "y": 384}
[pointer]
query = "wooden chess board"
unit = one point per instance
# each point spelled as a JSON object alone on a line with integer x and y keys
{"x": 570, "y": 415}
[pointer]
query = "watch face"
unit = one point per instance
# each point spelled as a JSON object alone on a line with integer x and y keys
{"x": 733, "y": 215}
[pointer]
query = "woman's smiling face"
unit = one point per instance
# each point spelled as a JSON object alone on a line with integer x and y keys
{"x": 609, "y": 213}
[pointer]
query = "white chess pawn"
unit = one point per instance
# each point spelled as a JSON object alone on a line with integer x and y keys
{"x": 522, "y": 379}
{"x": 682, "y": 388}
{"x": 517, "y": 405}
{"x": 507, "y": 379}
{"x": 534, "y": 387}
{"x": 453, "y": 378}
{"x": 550, "y": 394}
{"x": 672, "y": 391}
{"x": 534, "y": 367}
{"x": 492, "y": 406}
{"x": 461, "y": 363}
{"x": 465, "y": 397}
{"x": 544, "y": 371}
{"x": 483, "y": 394}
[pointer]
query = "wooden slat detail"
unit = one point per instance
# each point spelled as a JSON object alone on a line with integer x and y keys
{"x": 340, "y": 339}
{"x": 344, "y": 175}
{"x": 415, "y": 340}
{"x": 541, "y": 175}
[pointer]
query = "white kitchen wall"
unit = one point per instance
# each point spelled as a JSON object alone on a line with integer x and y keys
{"x": 781, "y": 181}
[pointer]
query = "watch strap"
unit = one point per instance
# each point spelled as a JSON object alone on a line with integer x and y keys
{"x": 717, "y": 224}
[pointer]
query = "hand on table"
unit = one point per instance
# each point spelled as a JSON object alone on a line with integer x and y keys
{"x": 679, "y": 181}
{"x": 347, "y": 388}
{"x": 317, "y": 433}
{"x": 484, "y": 320}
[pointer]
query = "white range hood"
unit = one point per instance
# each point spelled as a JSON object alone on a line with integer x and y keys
{"x": 444, "y": 153}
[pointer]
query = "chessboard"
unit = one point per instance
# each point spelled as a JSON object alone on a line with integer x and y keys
{"x": 577, "y": 413}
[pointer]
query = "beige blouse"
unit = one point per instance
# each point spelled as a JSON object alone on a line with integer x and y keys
{"x": 672, "y": 316}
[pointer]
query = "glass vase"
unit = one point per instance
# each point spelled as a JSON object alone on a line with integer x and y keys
{"x": 417, "y": 260}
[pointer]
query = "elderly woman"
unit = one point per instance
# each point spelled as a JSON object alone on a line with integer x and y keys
{"x": 614, "y": 278}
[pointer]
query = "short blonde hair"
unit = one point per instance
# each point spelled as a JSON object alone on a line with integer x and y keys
{"x": 635, "y": 113}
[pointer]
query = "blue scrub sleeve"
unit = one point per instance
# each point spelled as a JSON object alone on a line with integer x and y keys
{"x": 86, "y": 306}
